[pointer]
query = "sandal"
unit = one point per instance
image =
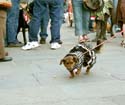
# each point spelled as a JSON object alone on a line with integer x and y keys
{"x": 113, "y": 36}
{"x": 123, "y": 43}
{"x": 83, "y": 38}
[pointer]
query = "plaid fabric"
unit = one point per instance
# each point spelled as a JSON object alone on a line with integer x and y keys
{"x": 86, "y": 56}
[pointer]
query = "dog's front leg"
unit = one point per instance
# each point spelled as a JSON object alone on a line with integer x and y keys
{"x": 71, "y": 74}
{"x": 78, "y": 71}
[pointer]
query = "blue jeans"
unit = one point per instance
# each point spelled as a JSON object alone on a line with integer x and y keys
{"x": 44, "y": 24}
{"x": 115, "y": 3}
{"x": 81, "y": 18}
{"x": 12, "y": 22}
{"x": 40, "y": 9}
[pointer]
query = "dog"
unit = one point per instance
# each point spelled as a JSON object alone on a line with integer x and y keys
{"x": 81, "y": 55}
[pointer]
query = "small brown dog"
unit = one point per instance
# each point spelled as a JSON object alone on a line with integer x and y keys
{"x": 80, "y": 56}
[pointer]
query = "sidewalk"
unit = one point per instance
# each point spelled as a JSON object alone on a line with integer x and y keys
{"x": 35, "y": 77}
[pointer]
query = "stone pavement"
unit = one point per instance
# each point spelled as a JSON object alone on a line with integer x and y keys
{"x": 35, "y": 77}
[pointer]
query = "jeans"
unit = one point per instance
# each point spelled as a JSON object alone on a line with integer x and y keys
{"x": 39, "y": 10}
{"x": 12, "y": 22}
{"x": 115, "y": 3}
{"x": 81, "y": 18}
{"x": 44, "y": 24}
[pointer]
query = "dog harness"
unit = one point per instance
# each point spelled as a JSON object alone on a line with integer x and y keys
{"x": 86, "y": 56}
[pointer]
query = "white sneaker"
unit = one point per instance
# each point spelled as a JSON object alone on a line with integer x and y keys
{"x": 30, "y": 45}
{"x": 55, "y": 45}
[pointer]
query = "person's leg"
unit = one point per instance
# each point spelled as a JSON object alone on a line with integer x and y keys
{"x": 115, "y": 3}
{"x": 81, "y": 18}
{"x": 62, "y": 13}
{"x": 39, "y": 10}
{"x": 114, "y": 24}
{"x": 2, "y": 28}
{"x": 98, "y": 29}
{"x": 123, "y": 28}
{"x": 122, "y": 23}
{"x": 12, "y": 22}
{"x": 123, "y": 41}
{"x": 3, "y": 55}
{"x": 99, "y": 36}
{"x": 44, "y": 24}
{"x": 55, "y": 10}
{"x": 104, "y": 27}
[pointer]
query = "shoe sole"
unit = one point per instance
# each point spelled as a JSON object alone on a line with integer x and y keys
{"x": 55, "y": 48}
{"x": 30, "y": 48}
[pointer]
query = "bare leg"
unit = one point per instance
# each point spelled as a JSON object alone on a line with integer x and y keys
{"x": 123, "y": 41}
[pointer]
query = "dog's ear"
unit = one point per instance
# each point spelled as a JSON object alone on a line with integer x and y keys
{"x": 61, "y": 61}
{"x": 75, "y": 59}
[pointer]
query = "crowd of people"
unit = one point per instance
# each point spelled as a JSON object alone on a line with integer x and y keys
{"x": 53, "y": 10}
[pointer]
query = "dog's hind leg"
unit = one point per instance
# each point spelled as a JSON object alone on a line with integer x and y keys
{"x": 88, "y": 69}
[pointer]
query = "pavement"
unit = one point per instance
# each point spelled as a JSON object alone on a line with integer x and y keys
{"x": 34, "y": 77}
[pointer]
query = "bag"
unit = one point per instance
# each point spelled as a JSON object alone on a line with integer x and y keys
{"x": 93, "y": 5}
{"x": 5, "y": 3}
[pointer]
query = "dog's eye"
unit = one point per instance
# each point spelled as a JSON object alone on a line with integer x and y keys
{"x": 69, "y": 63}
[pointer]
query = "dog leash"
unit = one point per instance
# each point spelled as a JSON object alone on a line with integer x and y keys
{"x": 112, "y": 37}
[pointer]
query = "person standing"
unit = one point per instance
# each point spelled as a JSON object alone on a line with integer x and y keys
{"x": 115, "y": 3}
{"x": 3, "y": 55}
{"x": 101, "y": 23}
{"x": 120, "y": 18}
{"x": 114, "y": 27}
{"x": 43, "y": 28}
{"x": 12, "y": 25}
{"x": 39, "y": 9}
{"x": 81, "y": 20}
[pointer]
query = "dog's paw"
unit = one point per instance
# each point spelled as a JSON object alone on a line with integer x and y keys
{"x": 71, "y": 76}
{"x": 123, "y": 44}
{"x": 76, "y": 71}
{"x": 87, "y": 73}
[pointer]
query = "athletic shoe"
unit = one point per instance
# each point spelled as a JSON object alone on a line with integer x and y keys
{"x": 31, "y": 45}
{"x": 55, "y": 45}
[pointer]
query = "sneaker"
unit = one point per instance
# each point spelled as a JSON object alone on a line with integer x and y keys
{"x": 55, "y": 45}
{"x": 30, "y": 45}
